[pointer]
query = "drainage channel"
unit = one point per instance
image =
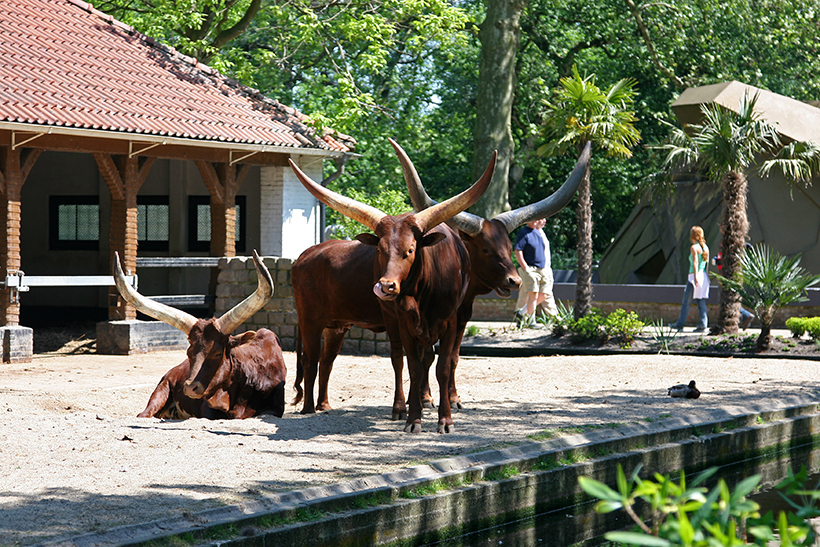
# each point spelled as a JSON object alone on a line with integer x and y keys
{"x": 560, "y": 527}
{"x": 459, "y": 496}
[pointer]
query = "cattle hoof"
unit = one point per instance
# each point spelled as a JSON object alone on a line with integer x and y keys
{"x": 428, "y": 404}
{"x": 413, "y": 427}
{"x": 398, "y": 416}
{"x": 323, "y": 408}
{"x": 308, "y": 411}
{"x": 446, "y": 428}
{"x": 455, "y": 404}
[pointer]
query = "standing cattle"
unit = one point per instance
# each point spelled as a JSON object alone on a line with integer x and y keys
{"x": 489, "y": 246}
{"x": 332, "y": 291}
{"x": 421, "y": 272}
{"x": 224, "y": 376}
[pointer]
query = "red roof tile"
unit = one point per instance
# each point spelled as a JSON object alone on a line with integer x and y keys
{"x": 64, "y": 63}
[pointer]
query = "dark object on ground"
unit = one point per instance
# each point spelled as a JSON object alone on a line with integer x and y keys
{"x": 684, "y": 391}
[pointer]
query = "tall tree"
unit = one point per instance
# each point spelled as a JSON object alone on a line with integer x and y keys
{"x": 500, "y": 37}
{"x": 726, "y": 145}
{"x": 581, "y": 113}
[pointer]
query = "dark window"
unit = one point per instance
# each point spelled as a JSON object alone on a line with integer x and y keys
{"x": 153, "y": 217}
{"x": 199, "y": 223}
{"x": 74, "y": 223}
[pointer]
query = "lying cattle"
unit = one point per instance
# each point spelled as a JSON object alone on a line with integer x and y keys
{"x": 489, "y": 246}
{"x": 421, "y": 272}
{"x": 332, "y": 291}
{"x": 224, "y": 376}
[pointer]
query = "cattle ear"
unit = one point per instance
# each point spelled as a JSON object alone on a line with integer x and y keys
{"x": 243, "y": 338}
{"x": 432, "y": 239}
{"x": 368, "y": 239}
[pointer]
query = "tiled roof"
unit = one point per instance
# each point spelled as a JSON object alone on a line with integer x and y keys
{"x": 65, "y": 64}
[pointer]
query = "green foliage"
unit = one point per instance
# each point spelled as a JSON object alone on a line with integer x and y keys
{"x": 663, "y": 335}
{"x": 769, "y": 281}
{"x": 694, "y": 516}
{"x": 560, "y": 321}
{"x": 588, "y": 327}
{"x": 802, "y": 325}
{"x": 624, "y": 326}
{"x": 392, "y": 202}
{"x": 620, "y": 325}
{"x": 581, "y": 112}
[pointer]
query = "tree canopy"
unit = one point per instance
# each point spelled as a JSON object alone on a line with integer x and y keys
{"x": 409, "y": 69}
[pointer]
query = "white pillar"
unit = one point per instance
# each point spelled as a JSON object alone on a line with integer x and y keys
{"x": 289, "y": 213}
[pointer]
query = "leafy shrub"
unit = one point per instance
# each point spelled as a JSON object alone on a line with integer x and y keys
{"x": 588, "y": 327}
{"x": 797, "y": 326}
{"x": 692, "y": 515}
{"x": 560, "y": 321}
{"x": 623, "y": 326}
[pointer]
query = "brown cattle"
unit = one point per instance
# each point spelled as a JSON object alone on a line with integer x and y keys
{"x": 332, "y": 291}
{"x": 421, "y": 273}
{"x": 224, "y": 376}
{"x": 489, "y": 246}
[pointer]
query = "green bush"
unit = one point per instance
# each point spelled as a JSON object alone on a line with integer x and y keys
{"x": 623, "y": 326}
{"x": 694, "y": 516}
{"x": 813, "y": 327}
{"x": 797, "y": 326}
{"x": 588, "y": 327}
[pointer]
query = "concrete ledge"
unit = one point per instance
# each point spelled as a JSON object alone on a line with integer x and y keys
{"x": 489, "y": 488}
{"x": 127, "y": 337}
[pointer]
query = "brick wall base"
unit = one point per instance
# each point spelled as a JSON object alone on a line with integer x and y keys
{"x": 133, "y": 336}
{"x": 18, "y": 344}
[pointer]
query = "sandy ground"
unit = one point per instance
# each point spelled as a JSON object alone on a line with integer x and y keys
{"x": 75, "y": 459}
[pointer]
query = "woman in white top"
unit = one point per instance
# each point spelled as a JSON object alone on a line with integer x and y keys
{"x": 697, "y": 286}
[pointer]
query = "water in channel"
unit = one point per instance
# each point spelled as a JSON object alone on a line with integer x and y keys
{"x": 580, "y": 526}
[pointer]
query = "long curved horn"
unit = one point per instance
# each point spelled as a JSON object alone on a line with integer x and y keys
{"x": 243, "y": 311}
{"x": 554, "y": 203}
{"x": 360, "y": 212}
{"x": 464, "y": 221}
{"x": 440, "y": 212}
{"x": 174, "y": 317}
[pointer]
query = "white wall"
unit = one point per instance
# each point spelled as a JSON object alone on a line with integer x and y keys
{"x": 290, "y": 221}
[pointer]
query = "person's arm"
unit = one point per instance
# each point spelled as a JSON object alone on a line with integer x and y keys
{"x": 695, "y": 264}
{"x": 519, "y": 255}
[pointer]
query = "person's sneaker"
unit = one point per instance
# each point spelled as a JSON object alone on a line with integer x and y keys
{"x": 747, "y": 322}
{"x": 673, "y": 326}
{"x": 519, "y": 318}
{"x": 700, "y": 329}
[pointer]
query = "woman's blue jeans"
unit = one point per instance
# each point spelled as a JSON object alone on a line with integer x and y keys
{"x": 684, "y": 309}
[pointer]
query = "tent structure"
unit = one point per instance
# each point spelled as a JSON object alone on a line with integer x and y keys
{"x": 651, "y": 247}
{"x": 111, "y": 141}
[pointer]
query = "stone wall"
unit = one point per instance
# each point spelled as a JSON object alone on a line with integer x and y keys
{"x": 237, "y": 280}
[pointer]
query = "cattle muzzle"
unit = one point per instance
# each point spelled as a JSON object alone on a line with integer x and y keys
{"x": 194, "y": 389}
{"x": 386, "y": 290}
{"x": 512, "y": 283}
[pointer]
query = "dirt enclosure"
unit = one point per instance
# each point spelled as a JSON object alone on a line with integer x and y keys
{"x": 75, "y": 459}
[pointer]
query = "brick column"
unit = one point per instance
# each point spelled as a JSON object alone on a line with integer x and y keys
{"x": 15, "y": 166}
{"x": 124, "y": 177}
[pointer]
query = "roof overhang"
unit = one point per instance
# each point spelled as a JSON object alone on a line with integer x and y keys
{"x": 795, "y": 120}
{"x": 72, "y": 139}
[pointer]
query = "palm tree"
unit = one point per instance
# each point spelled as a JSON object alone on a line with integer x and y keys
{"x": 725, "y": 146}
{"x": 768, "y": 282}
{"x": 582, "y": 113}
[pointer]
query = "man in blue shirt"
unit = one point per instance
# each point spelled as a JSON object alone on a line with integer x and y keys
{"x": 532, "y": 250}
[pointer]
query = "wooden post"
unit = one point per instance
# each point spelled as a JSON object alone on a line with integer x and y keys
{"x": 223, "y": 182}
{"x": 124, "y": 177}
{"x": 15, "y": 165}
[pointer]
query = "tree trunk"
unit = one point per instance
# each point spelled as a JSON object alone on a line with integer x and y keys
{"x": 764, "y": 341}
{"x": 500, "y": 35}
{"x": 735, "y": 227}
{"x": 583, "y": 286}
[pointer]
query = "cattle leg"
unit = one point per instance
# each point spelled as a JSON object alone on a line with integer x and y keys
{"x": 399, "y": 411}
{"x": 312, "y": 340}
{"x": 444, "y": 376}
{"x": 333, "y": 345}
{"x": 417, "y": 372}
{"x": 426, "y": 397}
{"x": 158, "y": 400}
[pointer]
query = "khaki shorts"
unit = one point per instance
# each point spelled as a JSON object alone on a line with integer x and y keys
{"x": 536, "y": 280}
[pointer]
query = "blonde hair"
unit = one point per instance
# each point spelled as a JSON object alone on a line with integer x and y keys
{"x": 696, "y": 235}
